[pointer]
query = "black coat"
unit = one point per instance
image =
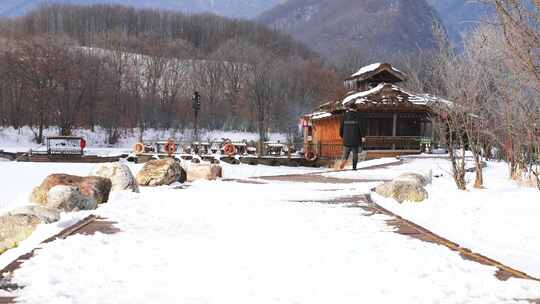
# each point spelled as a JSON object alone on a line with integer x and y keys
{"x": 350, "y": 130}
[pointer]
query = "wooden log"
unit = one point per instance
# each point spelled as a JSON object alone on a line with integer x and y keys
{"x": 230, "y": 160}
{"x": 67, "y": 159}
{"x": 249, "y": 160}
{"x": 208, "y": 158}
{"x": 8, "y": 155}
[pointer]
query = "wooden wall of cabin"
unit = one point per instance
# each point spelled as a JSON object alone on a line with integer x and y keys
{"x": 328, "y": 144}
{"x": 326, "y": 137}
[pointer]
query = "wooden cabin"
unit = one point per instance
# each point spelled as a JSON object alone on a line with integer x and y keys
{"x": 394, "y": 121}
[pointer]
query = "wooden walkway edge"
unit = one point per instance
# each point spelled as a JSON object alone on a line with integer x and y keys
{"x": 86, "y": 226}
{"x": 411, "y": 229}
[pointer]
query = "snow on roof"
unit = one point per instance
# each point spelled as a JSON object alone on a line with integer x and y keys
{"x": 417, "y": 99}
{"x": 363, "y": 94}
{"x": 318, "y": 115}
{"x": 368, "y": 68}
{"x": 428, "y": 99}
{"x": 373, "y": 67}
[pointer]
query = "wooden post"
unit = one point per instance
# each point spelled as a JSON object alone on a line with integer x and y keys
{"x": 196, "y": 125}
{"x": 394, "y": 126}
{"x": 259, "y": 148}
{"x": 394, "y": 129}
{"x": 289, "y": 152}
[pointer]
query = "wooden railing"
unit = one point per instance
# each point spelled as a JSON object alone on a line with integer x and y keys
{"x": 334, "y": 149}
{"x": 392, "y": 143}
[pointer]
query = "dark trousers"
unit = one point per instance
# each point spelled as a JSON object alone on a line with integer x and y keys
{"x": 355, "y": 151}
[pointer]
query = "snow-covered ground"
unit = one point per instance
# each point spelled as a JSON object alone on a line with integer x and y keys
{"x": 500, "y": 221}
{"x": 230, "y": 242}
{"x": 18, "y": 179}
{"x": 21, "y": 140}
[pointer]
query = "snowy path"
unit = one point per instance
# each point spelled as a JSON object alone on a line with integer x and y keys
{"x": 227, "y": 242}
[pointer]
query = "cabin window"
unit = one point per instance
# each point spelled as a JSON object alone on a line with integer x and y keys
{"x": 409, "y": 126}
{"x": 349, "y": 85}
{"x": 377, "y": 126}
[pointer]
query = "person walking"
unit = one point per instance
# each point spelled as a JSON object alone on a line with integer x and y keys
{"x": 351, "y": 134}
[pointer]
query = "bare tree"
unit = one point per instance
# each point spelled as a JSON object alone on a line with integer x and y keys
{"x": 34, "y": 61}
{"x": 520, "y": 22}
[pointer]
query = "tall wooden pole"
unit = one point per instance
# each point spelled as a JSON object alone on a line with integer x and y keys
{"x": 394, "y": 129}
{"x": 196, "y": 125}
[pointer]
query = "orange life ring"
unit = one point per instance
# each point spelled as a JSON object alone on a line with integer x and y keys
{"x": 170, "y": 147}
{"x": 229, "y": 149}
{"x": 138, "y": 148}
{"x": 311, "y": 156}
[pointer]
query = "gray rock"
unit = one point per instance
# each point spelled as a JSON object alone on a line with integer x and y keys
{"x": 14, "y": 229}
{"x": 403, "y": 191}
{"x": 416, "y": 178}
{"x": 45, "y": 215}
{"x": 119, "y": 174}
{"x": 69, "y": 198}
{"x": 161, "y": 172}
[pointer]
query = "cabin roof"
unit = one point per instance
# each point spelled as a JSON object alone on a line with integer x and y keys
{"x": 390, "y": 93}
{"x": 379, "y": 72}
{"x": 384, "y": 93}
{"x": 319, "y": 115}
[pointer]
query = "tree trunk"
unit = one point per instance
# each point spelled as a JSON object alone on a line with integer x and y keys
{"x": 262, "y": 133}
{"x": 479, "y": 181}
{"x": 40, "y": 132}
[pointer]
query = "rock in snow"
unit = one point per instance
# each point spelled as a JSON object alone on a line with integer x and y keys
{"x": 161, "y": 172}
{"x": 419, "y": 179}
{"x": 14, "y": 229}
{"x": 69, "y": 198}
{"x": 403, "y": 191}
{"x": 45, "y": 215}
{"x": 408, "y": 187}
{"x": 204, "y": 172}
{"x": 119, "y": 174}
{"x": 95, "y": 187}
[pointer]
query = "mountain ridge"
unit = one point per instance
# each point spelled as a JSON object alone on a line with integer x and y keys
{"x": 229, "y": 8}
{"x": 460, "y": 16}
{"x": 379, "y": 27}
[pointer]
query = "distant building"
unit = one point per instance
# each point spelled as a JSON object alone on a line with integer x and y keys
{"x": 394, "y": 121}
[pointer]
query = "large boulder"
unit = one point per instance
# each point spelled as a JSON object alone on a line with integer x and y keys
{"x": 161, "y": 172}
{"x": 407, "y": 187}
{"x": 69, "y": 198}
{"x": 204, "y": 172}
{"x": 95, "y": 187}
{"x": 403, "y": 191}
{"x": 45, "y": 215}
{"x": 14, "y": 229}
{"x": 119, "y": 174}
{"x": 416, "y": 178}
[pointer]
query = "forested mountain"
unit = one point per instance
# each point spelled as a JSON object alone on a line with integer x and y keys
{"x": 377, "y": 28}
{"x": 231, "y": 8}
{"x": 119, "y": 67}
{"x": 460, "y": 15}
{"x": 457, "y": 16}
{"x": 202, "y": 34}
{"x": 327, "y": 26}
